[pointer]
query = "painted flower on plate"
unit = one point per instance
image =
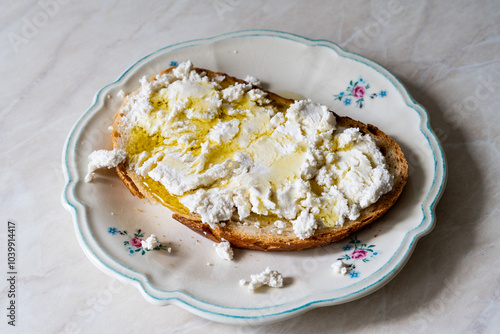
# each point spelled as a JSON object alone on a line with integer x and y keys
{"x": 112, "y": 230}
{"x": 136, "y": 242}
{"x": 359, "y": 254}
{"x": 358, "y": 92}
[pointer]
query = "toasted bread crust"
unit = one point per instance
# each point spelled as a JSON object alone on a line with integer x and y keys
{"x": 264, "y": 238}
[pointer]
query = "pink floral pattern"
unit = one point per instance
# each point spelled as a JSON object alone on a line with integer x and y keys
{"x": 359, "y": 254}
{"x": 356, "y": 251}
{"x": 133, "y": 244}
{"x": 136, "y": 242}
{"x": 357, "y": 91}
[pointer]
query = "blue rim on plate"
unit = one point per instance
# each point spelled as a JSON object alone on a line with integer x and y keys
{"x": 218, "y": 311}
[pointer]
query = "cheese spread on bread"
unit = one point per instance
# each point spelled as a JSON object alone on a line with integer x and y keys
{"x": 228, "y": 152}
{"x": 104, "y": 159}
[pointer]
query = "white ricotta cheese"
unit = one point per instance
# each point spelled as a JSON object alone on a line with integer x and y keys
{"x": 213, "y": 205}
{"x": 268, "y": 277}
{"x": 339, "y": 267}
{"x": 280, "y": 225}
{"x": 258, "y": 96}
{"x": 242, "y": 203}
{"x": 224, "y": 250}
{"x": 177, "y": 183}
{"x": 312, "y": 117}
{"x": 183, "y": 69}
{"x": 227, "y": 151}
{"x": 252, "y": 80}
{"x": 277, "y": 120}
{"x": 150, "y": 243}
{"x": 313, "y": 162}
{"x": 288, "y": 197}
{"x": 224, "y": 131}
{"x": 104, "y": 159}
{"x": 235, "y": 92}
{"x": 305, "y": 225}
{"x": 121, "y": 94}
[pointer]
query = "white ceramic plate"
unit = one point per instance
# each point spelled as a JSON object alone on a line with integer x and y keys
{"x": 191, "y": 275}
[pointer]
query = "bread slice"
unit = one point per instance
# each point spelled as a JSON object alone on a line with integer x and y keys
{"x": 244, "y": 234}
